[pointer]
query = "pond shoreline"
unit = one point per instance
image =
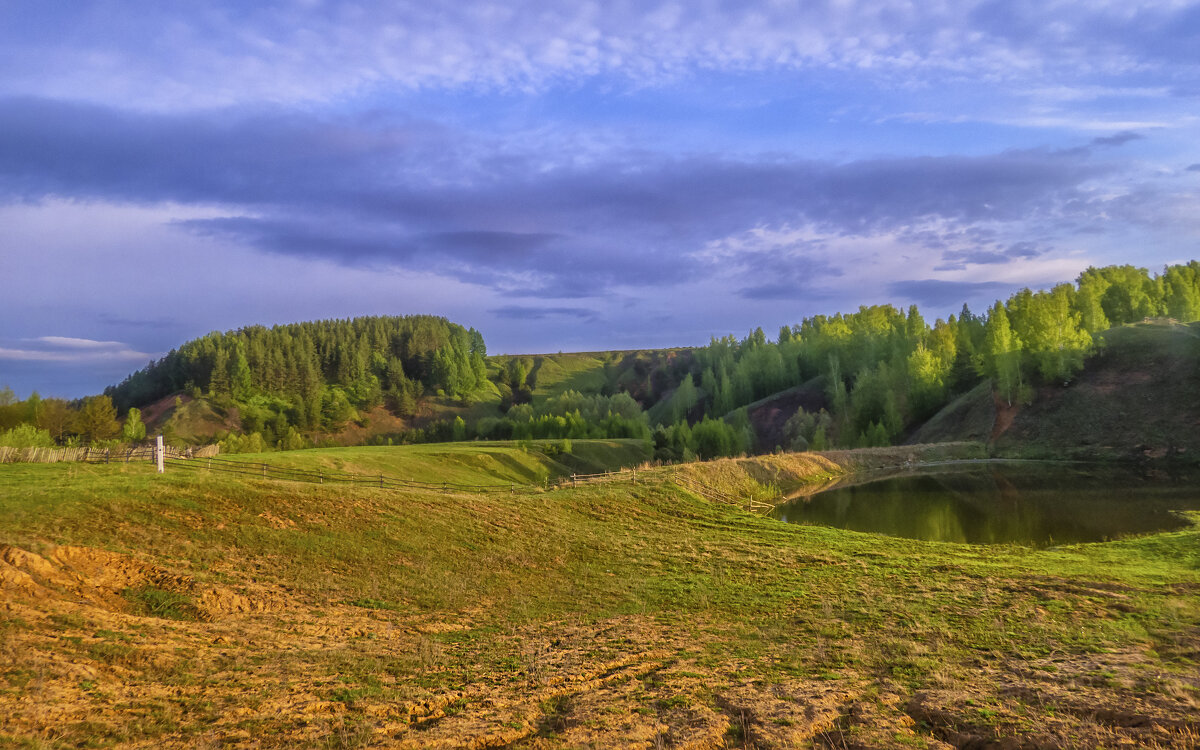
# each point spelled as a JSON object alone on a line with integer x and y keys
{"x": 1001, "y": 501}
{"x": 768, "y": 478}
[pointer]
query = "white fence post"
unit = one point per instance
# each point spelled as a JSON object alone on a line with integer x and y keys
{"x": 158, "y": 453}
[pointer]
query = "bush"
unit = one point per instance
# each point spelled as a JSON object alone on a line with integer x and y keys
{"x": 26, "y": 436}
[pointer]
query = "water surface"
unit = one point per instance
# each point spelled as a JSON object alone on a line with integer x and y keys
{"x": 1019, "y": 502}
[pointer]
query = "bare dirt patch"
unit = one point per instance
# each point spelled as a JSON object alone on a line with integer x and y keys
{"x": 264, "y": 667}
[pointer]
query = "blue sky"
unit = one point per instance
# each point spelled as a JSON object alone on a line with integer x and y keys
{"x": 570, "y": 176}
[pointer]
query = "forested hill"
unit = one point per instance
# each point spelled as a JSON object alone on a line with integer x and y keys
{"x": 871, "y": 377}
{"x": 312, "y": 375}
{"x": 1137, "y": 397}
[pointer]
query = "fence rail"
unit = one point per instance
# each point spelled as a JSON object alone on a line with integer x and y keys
{"x": 92, "y": 454}
{"x": 750, "y": 504}
{"x": 208, "y": 459}
{"x": 623, "y": 475}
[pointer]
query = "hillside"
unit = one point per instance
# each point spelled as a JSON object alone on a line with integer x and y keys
{"x": 209, "y": 609}
{"x": 1040, "y": 374}
{"x": 1137, "y": 397}
{"x": 646, "y": 374}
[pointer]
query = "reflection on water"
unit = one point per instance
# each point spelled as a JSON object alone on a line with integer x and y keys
{"x": 1004, "y": 502}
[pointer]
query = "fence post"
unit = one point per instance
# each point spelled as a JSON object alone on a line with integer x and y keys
{"x": 574, "y": 481}
{"x": 264, "y": 468}
{"x": 158, "y": 453}
{"x": 380, "y": 480}
{"x": 320, "y": 476}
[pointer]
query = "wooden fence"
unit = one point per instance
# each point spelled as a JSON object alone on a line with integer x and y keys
{"x": 91, "y": 454}
{"x": 749, "y": 504}
{"x": 624, "y": 475}
{"x": 179, "y": 459}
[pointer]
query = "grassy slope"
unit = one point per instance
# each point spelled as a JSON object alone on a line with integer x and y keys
{"x": 1137, "y": 397}
{"x": 769, "y": 415}
{"x": 773, "y": 476}
{"x": 195, "y": 421}
{"x": 470, "y": 462}
{"x": 608, "y": 615}
{"x": 971, "y": 416}
{"x": 552, "y": 374}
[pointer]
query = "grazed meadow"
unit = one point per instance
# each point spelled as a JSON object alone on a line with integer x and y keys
{"x": 199, "y": 608}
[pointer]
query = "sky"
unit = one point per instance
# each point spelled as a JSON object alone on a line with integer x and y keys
{"x": 570, "y": 176}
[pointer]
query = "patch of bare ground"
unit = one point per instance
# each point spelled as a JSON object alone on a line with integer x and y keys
{"x": 258, "y": 666}
{"x": 263, "y": 670}
{"x": 1006, "y": 412}
{"x": 1064, "y": 701}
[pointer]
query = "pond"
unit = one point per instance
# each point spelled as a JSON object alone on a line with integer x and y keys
{"x": 1004, "y": 502}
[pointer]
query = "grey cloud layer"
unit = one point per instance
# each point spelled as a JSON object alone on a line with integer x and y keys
{"x": 371, "y": 191}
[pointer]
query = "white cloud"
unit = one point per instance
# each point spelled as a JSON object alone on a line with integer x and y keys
{"x": 68, "y": 350}
{"x": 66, "y": 342}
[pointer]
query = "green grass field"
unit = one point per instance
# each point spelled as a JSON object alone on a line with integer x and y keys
{"x": 196, "y": 609}
{"x": 479, "y": 462}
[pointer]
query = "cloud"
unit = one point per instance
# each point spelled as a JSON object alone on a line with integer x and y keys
{"x": 1193, "y": 168}
{"x": 526, "y": 312}
{"x": 125, "y": 322}
{"x": 1117, "y": 139}
{"x": 989, "y": 253}
{"x": 67, "y": 342}
{"x": 76, "y": 351}
{"x": 787, "y": 271}
{"x": 173, "y": 56}
{"x": 935, "y": 293}
{"x": 397, "y": 192}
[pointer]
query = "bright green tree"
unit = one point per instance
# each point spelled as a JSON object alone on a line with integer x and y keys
{"x": 134, "y": 429}
{"x": 1055, "y": 338}
{"x": 1002, "y": 353}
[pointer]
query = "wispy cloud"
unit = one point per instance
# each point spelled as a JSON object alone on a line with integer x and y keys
{"x": 530, "y": 312}
{"x": 936, "y": 293}
{"x": 219, "y": 54}
{"x": 69, "y": 350}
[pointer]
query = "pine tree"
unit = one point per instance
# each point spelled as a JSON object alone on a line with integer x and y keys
{"x": 218, "y": 384}
{"x": 240, "y": 383}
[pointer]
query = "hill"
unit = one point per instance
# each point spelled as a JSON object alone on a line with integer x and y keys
{"x": 1137, "y": 397}
{"x": 875, "y": 377}
{"x": 211, "y": 609}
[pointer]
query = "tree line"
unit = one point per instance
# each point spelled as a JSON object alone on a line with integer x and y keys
{"x": 882, "y": 371}
{"x": 876, "y": 373}
{"x": 289, "y": 380}
{"x": 40, "y": 422}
